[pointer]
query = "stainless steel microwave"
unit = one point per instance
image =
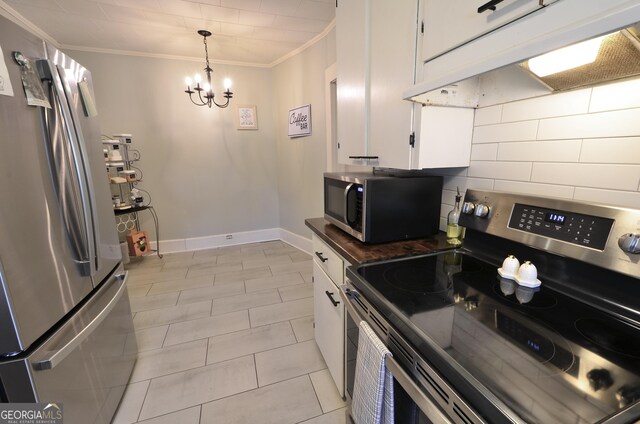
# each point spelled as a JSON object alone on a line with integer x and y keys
{"x": 382, "y": 208}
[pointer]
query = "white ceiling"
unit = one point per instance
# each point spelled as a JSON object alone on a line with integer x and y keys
{"x": 257, "y": 32}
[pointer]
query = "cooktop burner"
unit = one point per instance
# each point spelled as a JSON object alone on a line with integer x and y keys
{"x": 612, "y": 336}
{"x": 415, "y": 278}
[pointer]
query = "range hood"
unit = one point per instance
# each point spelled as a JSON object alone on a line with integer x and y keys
{"x": 490, "y": 65}
{"x": 613, "y": 56}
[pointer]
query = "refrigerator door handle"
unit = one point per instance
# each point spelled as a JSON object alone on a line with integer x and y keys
{"x": 65, "y": 166}
{"x": 82, "y": 158}
{"x": 54, "y": 358}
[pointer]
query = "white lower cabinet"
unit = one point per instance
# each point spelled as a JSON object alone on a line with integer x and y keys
{"x": 329, "y": 324}
{"x": 329, "y": 319}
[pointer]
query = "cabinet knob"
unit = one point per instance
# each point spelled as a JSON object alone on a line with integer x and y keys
{"x": 482, "y": 210}
{"x": 630, "y": 243}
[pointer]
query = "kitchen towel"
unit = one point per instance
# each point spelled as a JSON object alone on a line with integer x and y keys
{"x": 373, "y": 386}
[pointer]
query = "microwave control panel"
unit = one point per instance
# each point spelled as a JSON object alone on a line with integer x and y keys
{"x": 583, "y": 230}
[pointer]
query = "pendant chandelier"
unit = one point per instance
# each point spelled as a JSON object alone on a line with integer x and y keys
{"x": 205, "y": 92}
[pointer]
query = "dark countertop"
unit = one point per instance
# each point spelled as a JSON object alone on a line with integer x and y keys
{"x": 356, "y": 252}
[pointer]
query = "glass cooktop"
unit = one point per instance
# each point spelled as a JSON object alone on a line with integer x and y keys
{"x": 549, "y": 357}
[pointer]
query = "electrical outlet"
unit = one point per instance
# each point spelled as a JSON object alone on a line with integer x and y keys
{"x": 229, "y": 236}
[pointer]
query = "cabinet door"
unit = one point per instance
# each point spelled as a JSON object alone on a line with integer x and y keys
{"x": 393, "y": 43}
{"x": 445, "y": 139}
{"x": 329, "y": 324}
{"x": 449, "y": 24}
{"x": 352, "y": 79}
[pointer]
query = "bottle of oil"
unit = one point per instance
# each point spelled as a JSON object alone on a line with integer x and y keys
{"x": 454, "y": 231}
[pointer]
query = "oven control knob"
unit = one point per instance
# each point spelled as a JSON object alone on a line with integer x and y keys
{"x": 627, "y": 395}
{"x": 481, "y": 211}
{"x": 468, "y": 207}
{"x": 630, "y": 243}
{"x": 599, "y": 379}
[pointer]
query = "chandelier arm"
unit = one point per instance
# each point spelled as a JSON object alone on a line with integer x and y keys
{"x": 223, "y": 105}
{"x": 202, "y": 101}
{"x": 192, "y": 101}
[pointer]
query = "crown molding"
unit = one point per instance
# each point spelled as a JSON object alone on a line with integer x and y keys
{"x": 15, "y": 17}
{"x": 160, "y": 56}
{"x": 306, "y": 45}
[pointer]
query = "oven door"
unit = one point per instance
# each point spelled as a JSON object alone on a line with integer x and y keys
{"x": 343, "y": 205}
{"x": 411, "y": 404}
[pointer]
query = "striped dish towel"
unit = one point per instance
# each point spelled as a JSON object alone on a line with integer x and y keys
{"x": 373, "y": 386}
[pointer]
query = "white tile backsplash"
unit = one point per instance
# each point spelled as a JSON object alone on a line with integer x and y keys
{"x": 619, "y": 123}
{"x": 535, "y": 189}
{"x": 571, "y": 103}
{"x": 611, "y": 150}
{"x": 513, "y": 131}
{"x": 488, "y": 115}
{"x": 484, "y": 151}
{"x": 627, "y": 199}
{"x": 540, "y": 151}
{"x": 464, "y": 183}
{"x": 582, "y": 145}
{"x": 622, "y": 177}
{"x": 617, "y": 96}
{"x": 518, "y": 171}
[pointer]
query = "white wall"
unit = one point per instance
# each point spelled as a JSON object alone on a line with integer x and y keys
{"x": 301, "y": 161}
{"x": 205, "y": 177}
{"x": 582, "y": 145}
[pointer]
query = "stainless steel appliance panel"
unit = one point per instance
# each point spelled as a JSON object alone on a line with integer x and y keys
{"x": 41, "y": 279}
{"x": 86, "y": 363}
{"x": 105, "y": 243}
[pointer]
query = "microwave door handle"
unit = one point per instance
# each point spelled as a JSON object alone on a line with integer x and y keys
{"x": 64, "y": 171}
{"x": 346, "y": 204}
{"x": 426, "y": 405}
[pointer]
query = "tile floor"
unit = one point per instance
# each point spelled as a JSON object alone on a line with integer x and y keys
{"x": 226, "y": 336}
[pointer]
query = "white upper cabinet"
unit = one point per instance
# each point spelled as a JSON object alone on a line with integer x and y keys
{"x": 508, "y": 35}
{"x": 376, "y": 61}
{"x": 449, "y": 24}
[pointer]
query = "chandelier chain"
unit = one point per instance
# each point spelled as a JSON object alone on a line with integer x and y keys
{"x": 206, "y": 53}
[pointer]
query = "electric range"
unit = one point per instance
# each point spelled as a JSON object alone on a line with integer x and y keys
{"x": 484, "y": 348}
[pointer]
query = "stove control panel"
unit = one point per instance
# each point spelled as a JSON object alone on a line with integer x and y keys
{"x": 583, "y": 230}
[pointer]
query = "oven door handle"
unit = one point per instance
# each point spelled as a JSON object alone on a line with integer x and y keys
{"x": 426, "y": 405}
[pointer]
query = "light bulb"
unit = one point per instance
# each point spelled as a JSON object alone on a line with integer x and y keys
{"x": 207, "y": 87}
{"x": 188, "y": 81}
{"x": 227, "y": 84}
{"x": 197, "y": 78}
{"x": 566, "y": 58}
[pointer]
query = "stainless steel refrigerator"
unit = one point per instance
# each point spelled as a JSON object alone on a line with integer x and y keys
{"x": 66, "y": 330}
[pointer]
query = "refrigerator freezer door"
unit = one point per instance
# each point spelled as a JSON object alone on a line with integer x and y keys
{"x": 41, "y": 280}
{"x": 86, "y": 363}
{"x": 105, "y": 239}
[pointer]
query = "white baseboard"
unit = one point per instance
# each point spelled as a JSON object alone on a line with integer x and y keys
{"x": 296, "y": 240}
{"x": 210, "y": 242}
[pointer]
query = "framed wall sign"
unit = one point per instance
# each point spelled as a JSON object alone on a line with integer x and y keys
{"x": 247, "y": 117}
{"x": 300, "y": 121}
